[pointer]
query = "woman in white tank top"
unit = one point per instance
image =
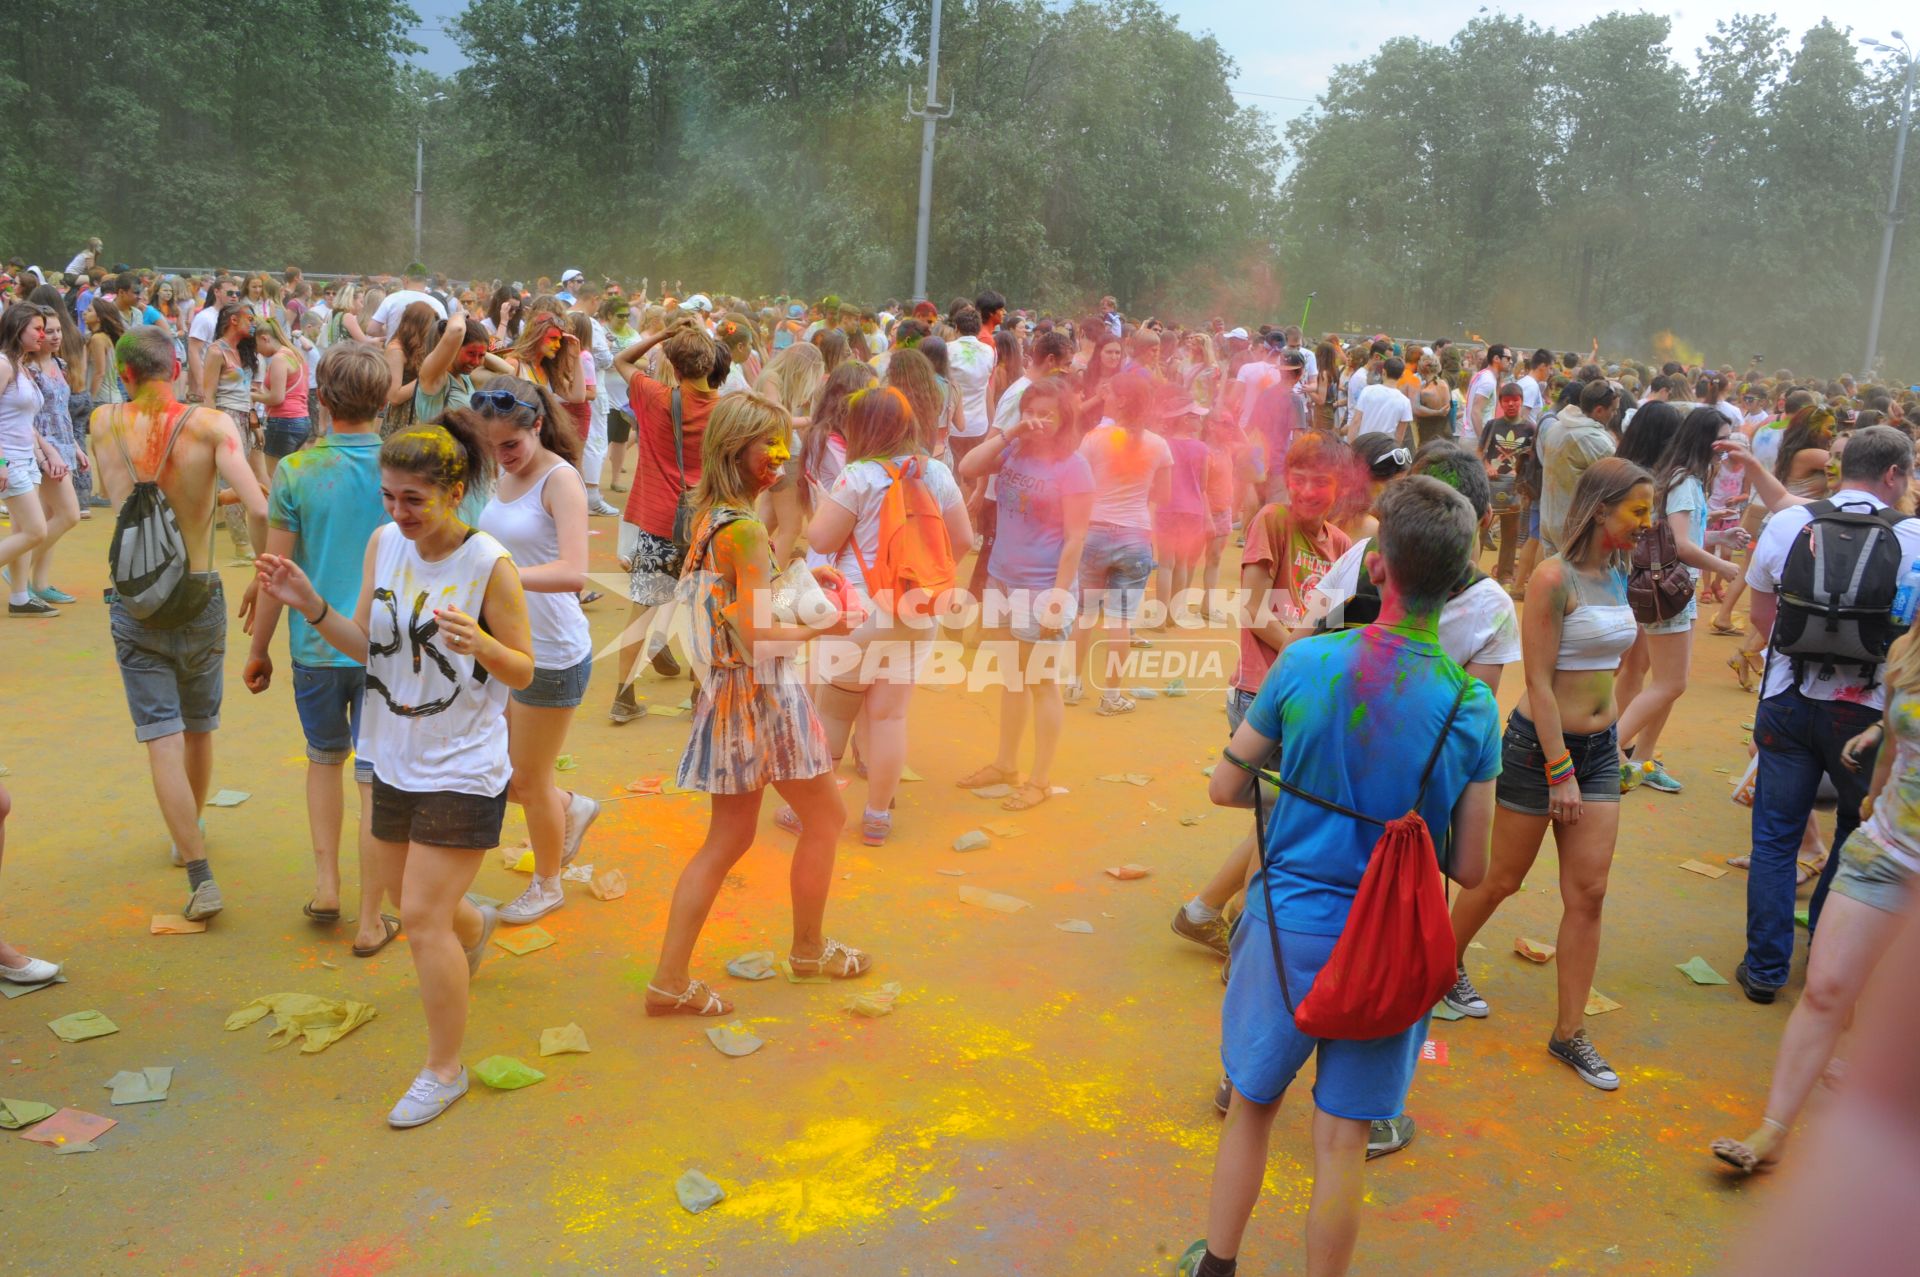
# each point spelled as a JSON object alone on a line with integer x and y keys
{"x": 441, "y": 626}
{"x": 24, "y": 333}
{"x": 539, "y": 513}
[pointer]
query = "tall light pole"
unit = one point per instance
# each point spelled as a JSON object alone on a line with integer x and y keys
{"x": 1893, "y": 198}
{"x": 420, "y": 170}
{"x": 930, "y": 113}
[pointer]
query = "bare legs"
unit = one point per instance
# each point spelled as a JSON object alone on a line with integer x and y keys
{"x": 62, "y": 509}
{"x": 27, "y": 529}
{"x": 535, "y": 734}
{"x": 441, "y": 923}
{"x": 1642, "y": 720}
{"x": 1034, "y": 686}
{"x": 1339, "y": 1176}
{"x": 182, "y": 768}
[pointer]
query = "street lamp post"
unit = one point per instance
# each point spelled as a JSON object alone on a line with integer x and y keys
{"x": 420, "y": 172}
{"x": 930, "y": 113}
{"x": 1893, "y": 199}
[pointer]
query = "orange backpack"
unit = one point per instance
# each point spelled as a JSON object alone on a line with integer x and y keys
{"x": 913, "y": 569}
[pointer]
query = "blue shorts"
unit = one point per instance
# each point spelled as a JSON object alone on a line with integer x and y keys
{"x": 285, "y": 435}
{"x": 173, "y": 677}
{"x": 1114, "y": 568}
{"x": 329, "y": 700}
{"x": 1263, "y": 1051}
{"x": 557, "y": 689}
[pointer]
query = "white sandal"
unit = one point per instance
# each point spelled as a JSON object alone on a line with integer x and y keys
{"x": 682, "y": 1003}
{"x": 852, "y": 962}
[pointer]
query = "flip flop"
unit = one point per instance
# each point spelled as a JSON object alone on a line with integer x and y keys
{"x": 320, "y": 915}
{"x": 1726, "y": 631}
{"x": 392, "y": 924}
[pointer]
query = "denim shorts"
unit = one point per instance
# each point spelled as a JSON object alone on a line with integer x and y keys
{"x": 439, "y": 818}
{"x": 1263, "y": 1050}
{"x": 1678, "y": 624}
{"x": 1522, "y": 786}
{"x": 21, "y": 476}
{"x": 1238, "y": 703}
{"x": 329, "y": 698}
{"x": 557, "y": 689}
{"x": 173, "y": 678}
{"x": 1869, "y": 873}
{"x": 285, "y": 435}
{"x": 1114, "y": 568}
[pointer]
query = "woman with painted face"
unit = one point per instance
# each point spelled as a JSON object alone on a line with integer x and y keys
{"x": 282, "y": 390}
{"x": 445, "y": 378}
{"x": 441, "y": 626}
{"x": 1561, "y": 753}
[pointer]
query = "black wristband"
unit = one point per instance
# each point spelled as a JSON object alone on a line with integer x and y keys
{"x": 325, "y": 607}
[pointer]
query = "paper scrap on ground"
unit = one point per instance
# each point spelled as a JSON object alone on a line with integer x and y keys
{"x": 666, "y": 711}
{"x": 1434, "y": 1051}
{"x": 1441, "y": 1011}
{"x": 1700, "y": 971}
{"x": 972, "y": 840}
{"x": 993, "y": 900}
{"x": 1127, "y": 873}
{"x": 577, "y": 873}
{"x": 82, "y": 1025}
{"x": 752, "y": 966}
{"x": 876, "y": 1001}
{"x": 1703, "y": 869}
{"x": 794, "y": 977}
{"x": 952, "y": 873}
{"x": 520, "y": 860}
{"x": 15, "y": 1114}
{"x": 734, "y": 1039}
{"x": 1803, "y": 917}
{"x": 83, "y": 1146}
{"x": 1079, "y": 926}
{"x": 10, "y": 990}
{"x": 993, "y": 791}
{"x": 571, "y": 1040}
{"x": 172, "y": 924}
{"x": 1127, "y": 778}
{"x": 1599, "y": 1003}
{"x": 609, "y": 884}
{"x": 229, "y": 798}
{"x": 1191, "y": 821}
{"x": 908, "y": 776}
{"x": 144, "y": 1087}
{"x": 522, "y": 940}
{"x": 1533, "y": 950}
{"x": 1177, "y": 687}
{"x": 565, "y": 763}
{"x": 1001, "y": 829}
{"x": 646, "y": 785}
{"x": 504, "y": 1073}
{"x": 696, "y": 1192}
{"x": 319, "y": 1021}
{"x": 70, "y": 1126}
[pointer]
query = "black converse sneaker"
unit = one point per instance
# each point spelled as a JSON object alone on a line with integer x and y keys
{"x": 1464, "y": 998}
{"x": 1578, "y": 1052}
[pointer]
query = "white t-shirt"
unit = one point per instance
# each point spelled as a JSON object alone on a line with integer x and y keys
{"x": 201, "y": 329}
{"x": 1730, "y": 411}
{"x": 1006, "y": 415}
{"x": 1482, "y": 392}
{"x": 970, "y": 369}
{"x": 1124, "y": 467}
{"x": 1478, "y": 626}
{"x": 1355, "y": 385}
{"x": 862, "y": 488}
{"x": 396, "y": 305}
{"x": 1380, "y": 409}
{"x": 1769, "y": 560}
{"x": 1531, "y": 398}
{"x": 81, "y": 261}
{"x": 1256, "y": 377}
{"x": 1766, "y": 446}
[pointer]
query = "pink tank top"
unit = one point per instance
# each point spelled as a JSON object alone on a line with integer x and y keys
{"x": 295, "y": 404}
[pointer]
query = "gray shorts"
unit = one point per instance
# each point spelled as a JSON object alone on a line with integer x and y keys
{"x": 1869, "y": 873}
{"x": 173, "y": 677}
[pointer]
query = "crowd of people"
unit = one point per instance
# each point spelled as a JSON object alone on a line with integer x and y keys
{"x": 411, "y": 465}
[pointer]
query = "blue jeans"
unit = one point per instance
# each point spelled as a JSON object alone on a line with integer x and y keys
{"x": 1799, "y": 740}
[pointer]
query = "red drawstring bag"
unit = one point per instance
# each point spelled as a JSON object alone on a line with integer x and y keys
{"x": 1395, "y": 957}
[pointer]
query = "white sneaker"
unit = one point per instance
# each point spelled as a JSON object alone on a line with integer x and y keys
{"x": 533, "y": 904}
{"x": 489, "y": 917}
{"x": 426, "y": 1099}
{"x": 37, "y": 971}
{"x": 602, "y": 509}
{"x": 582, "y": 811}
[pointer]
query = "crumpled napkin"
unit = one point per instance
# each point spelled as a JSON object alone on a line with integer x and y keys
{"x": 321, "y": 1021}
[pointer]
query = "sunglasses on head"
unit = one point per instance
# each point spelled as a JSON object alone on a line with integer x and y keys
{"x": 501, "y": 401}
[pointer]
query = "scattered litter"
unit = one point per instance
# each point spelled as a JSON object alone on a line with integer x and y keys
{"x": 144, "y": 1087}
{"x": 1533, "y": 950}
{"x": 993, "y": 900}
{"x": 1177, "y": 688}
{"x": 993, "y": 791}
{"x": 794, "y": 977}
{"x": 1441, "y": 1011}
{"x": 972, "y": 840}
{"x": 1143, "y": 693}
{"x": 1700, "y": 971}
{"x": 752, "y": 966}
{"x": 734, "y": 1039}
{"x": 1475, "y": 944}
{"x": 15, "y": 1114}
{"x": 70, "y": 1126}
{"x": 504, "y": 1073}
{"x": 952, "y": 873}
{"x": 1057, "y": 790}
{"x": 1599, "y": 1003}
{"x": 571, "y": 1040}
{"x": 1191, "y": 821}
{"x": 1001, "y": 829}
{"x": 521, "y": 941}
{"x": 609, "y": 884}
{"x": 82, "y": 1146}
{"x": 875, "y": 1002}
{"x": 909, "y": 776}
{"x": 1155, "y": 806}
{"x": 565, "y": 763}
{"x": 696, "y": 1192}
{"x": 667, "y": 711}
{"x": 10, "y": 990}
{"x": 1075, "y": 925}
{"x": 577, "y": 873}
{"x": 320, "y": 1021}
{"x": 172, "y": 924}
{"x": 1127, "y": 873}
{"x": 1703, "y": 869}
{"x": 229, "y": 798}
{"x": 1434, "y": 1051}
{"x": 647, "y": 785}
{"x": 82, "y": 1025}
{"x": 1125, "y": 778}
{"x": 1801, "y": 917}
{"x": 328, "y": 965}
{"x": 518, "y": 858}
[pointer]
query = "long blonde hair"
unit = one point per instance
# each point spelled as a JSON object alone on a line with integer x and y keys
{"x": 1903, "y": 663}
{"x": 736, "y": 422}
{"x": 271, "y": 327}
{"x": 794, "y": 378}
{"x": 562, "y": 371}
{"x": 1603, "y": 485}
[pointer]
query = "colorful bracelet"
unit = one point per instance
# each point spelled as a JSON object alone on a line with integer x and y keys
{"x": 1559, "y": 769}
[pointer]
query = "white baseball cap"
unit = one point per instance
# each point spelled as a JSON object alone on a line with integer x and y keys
{"x": 1241, "y": 333}
{"x": 572, "y": 273}
{"x": 699, "y": 302}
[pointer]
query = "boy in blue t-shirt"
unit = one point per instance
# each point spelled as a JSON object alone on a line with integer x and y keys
{"x": 324, "y": 508}
{"x": 1355, "y": 715}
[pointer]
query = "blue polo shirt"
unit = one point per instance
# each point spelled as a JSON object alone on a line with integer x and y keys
{"x": 329, "y": 496}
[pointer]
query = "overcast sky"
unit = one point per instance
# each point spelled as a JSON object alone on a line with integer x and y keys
{"x": 1291, "y": 60}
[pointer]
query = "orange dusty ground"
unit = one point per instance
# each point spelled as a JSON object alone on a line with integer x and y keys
{"x": 1039, "y": 1103}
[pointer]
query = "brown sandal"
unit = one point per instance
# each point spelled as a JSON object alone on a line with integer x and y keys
{"x": 684, "y": 1002}
{"x": 1021, "y": 799}
{"x": 841, "y": 961}
{"x": 1739, "y": 1155}
{"x": 991, "y": 774}
{"x": 392, "y": 925}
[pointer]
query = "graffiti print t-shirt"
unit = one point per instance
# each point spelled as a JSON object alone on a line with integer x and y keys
{"x": 1306, "y": 559}
{"x": 435, "y": 719}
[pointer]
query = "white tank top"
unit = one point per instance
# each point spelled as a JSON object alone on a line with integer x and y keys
{"x": 19, "y": 405}
{"x": 435, "y": 720}
{"x": 561, "y": 639}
